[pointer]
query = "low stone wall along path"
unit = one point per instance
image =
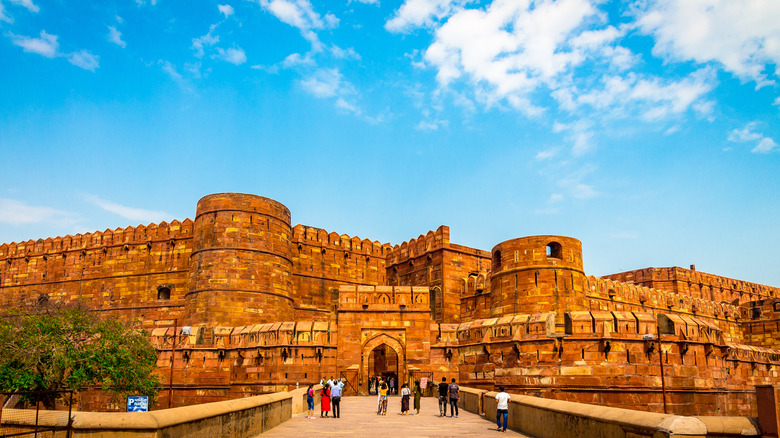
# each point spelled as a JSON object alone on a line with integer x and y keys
{"x": 359, "y": 418}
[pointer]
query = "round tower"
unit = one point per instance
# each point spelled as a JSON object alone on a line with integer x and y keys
{"x": 537, "y": 274}
{"x": 240, "y": 267}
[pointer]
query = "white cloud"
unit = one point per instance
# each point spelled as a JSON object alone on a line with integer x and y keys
{"x": 509, "y": 49}
{"x": 4, "y": 17}
{"x": 208, "y": 40}
{"x": 301, "y": 15}
{"x": 323, "y": 83}
{"x": 432, "y": 125}
{"x": 748, "y": 134}
{"x": 46, "y": 45}
{"x": 650, "y": 98}
{"x": 367, "y": 2}
{"x": 343, "y": 104}
{"x": 130, "y": 213}
{"x": 417, "y": 13}
{"x": 17, "y": 212}
{"x": 32, "y": 7}
{"x": 84, "y": 59}
{"x": 296, "y": 59}
{"x": 764, "y": 146}
{"x": 177, "y": 77}
{"x": 234, "y": 56}
{"x": 546, "y": 154}
{"x": 226, "y": 10}
{"x": 579, "y": 134}
{"x": 745, "y": 134}
{"x": 340, "y": 53}
{"x": 743, "y": 36}
{"x": 115, "y": 37}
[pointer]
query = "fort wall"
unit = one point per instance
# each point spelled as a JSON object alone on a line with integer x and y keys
{"x": 120, "y": 272}
{"x": 698, "y": 284}
{"x": 322, "y": 261}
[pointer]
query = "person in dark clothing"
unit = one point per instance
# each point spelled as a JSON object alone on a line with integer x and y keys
{"x": 444, "y": 390}
{"x": 454, "y": 393}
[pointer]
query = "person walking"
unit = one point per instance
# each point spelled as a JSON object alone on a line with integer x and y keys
{"x": 417, "y": 396}
{"x": 454, "y": 393}
{"x": 325, "y": 402}
{"x": 310, "y": 402}
{"x": 335, "y": 399}
{"x": 502, "y": 408}
{"x": 444, "y": 389}
{"x": 405, "y": 393}
{"x": 392, "y": 386}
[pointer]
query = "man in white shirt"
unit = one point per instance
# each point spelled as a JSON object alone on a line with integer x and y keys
{"x": 502, "y": 408}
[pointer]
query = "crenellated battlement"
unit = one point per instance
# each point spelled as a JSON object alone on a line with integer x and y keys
{"x": 604, "y": 288}
{"x": 698, "y": 284}
{"x": 305, "y": 235}
{"x": 423, "y": 244}
{"x": 141, "y": 234}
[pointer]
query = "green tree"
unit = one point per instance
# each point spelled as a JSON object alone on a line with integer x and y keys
{"x": 51, "y": 347}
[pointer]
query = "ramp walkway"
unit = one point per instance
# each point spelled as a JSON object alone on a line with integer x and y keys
{"x": 359, "y": 418}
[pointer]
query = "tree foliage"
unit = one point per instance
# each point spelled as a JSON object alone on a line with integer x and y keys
{"x": 51, "y": 347}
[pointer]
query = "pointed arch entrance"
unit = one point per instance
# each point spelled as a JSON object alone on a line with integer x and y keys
{"x": 383, "y": 356}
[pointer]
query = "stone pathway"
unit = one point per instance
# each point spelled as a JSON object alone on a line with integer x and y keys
{"x": 358, "y": 418}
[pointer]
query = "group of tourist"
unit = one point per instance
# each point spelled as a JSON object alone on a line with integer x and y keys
{"x": 373, "y": 384}
{"x": 383, "y": 388}
{"x": 449, "y": 394}
{"x": 330, "y": 395}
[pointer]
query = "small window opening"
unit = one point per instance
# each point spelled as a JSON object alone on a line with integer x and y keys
{"x": 163, "y": 292}
{"x": 554, "y": 250}
{"x": 497, "y": 258}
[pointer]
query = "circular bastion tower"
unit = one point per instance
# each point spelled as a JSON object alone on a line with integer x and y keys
{"x": 240, "y": 268}
{"x": 537, "y": 274}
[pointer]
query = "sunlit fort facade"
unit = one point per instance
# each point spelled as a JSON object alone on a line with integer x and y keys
{"x": 244, "y": 303}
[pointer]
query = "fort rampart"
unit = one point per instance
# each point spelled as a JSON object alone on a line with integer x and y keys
{"x": 260, "y": 305}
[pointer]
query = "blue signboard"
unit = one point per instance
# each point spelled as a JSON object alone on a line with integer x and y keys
{"x": 138, "y": 403}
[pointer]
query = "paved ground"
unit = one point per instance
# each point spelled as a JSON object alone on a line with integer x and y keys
{"x": 358, "y": 418}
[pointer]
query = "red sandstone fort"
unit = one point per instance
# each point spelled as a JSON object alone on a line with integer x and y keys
{"x": 256, "y": 305}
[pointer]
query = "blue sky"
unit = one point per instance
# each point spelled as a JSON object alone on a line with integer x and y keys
{"x": 647, "y": 129}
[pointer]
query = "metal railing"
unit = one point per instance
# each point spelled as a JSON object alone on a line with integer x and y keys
{"x": 24, "y": 414}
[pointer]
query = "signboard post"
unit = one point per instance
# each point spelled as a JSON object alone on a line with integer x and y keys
{"x": 423, "y": 382}
{"x": 138, "y": 403}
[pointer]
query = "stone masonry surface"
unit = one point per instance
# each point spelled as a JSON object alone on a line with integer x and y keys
{"x": 256, "y": 305}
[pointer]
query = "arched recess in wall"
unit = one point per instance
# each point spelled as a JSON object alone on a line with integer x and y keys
{"x": 436, "y": 303}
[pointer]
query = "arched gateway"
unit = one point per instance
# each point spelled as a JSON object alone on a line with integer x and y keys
{"x": 385, "y": 357}
{"x": 380, "y": 329}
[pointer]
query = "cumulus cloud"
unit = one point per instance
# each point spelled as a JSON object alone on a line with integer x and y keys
{"x": 226, "y": 10}
{"x": 741, "y": 36}
{"x": 301, "y": 15}
{"x": 748, "y": 134}
{"x": 46, "y": 45}
{"x": 115, "y": 37}
{"x": 234, "y": 55}
{"x": 417, "y": 13}
{"x": 84, "y": 59}
{"x": 130, "y": 213}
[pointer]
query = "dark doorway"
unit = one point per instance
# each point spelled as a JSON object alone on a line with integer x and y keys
{"x": 383, "y": 363}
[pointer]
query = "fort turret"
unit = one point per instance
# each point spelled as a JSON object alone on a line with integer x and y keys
{"x": 240, "y": 268}
{"x": 537, "y": 274}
